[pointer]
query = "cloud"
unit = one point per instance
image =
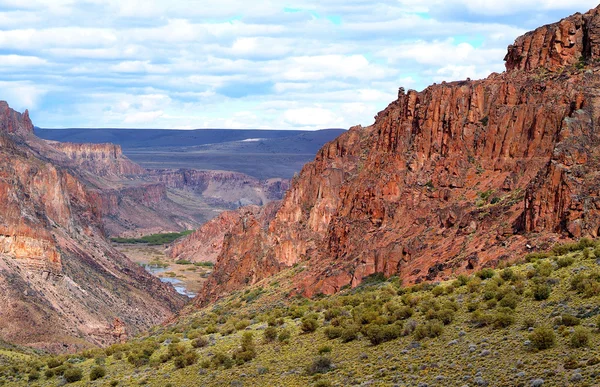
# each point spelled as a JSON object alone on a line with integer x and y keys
{"x": 234, "y": 63}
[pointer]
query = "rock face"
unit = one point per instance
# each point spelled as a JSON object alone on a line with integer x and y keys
{"x": 457, "y": 177}
{"x": 206, "y": 243}
{"x": 62, "y": 285}
{"x": 100, "y": 159}
{"x": 224, "y": 188}
{"x": 14, "y": 122}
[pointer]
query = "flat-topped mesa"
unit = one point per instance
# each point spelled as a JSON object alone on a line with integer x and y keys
{"x": 573, "y": 40}
{"x": 102, "y": 159}
{"x": 14, "y": 122}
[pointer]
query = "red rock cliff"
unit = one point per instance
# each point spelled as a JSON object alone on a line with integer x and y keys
{"x": 62, "y": 285}
{"x": 454, "y": 178}
{"x": 100, "y": 159}
{"x": 206, "y": 243}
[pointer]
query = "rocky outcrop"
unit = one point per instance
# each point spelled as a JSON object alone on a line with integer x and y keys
{"x": 62, "y": 285}
{"x": 100, "y": 159}
{"x": 457, "y": 177}
{"x": 206, "y": 243}
{"x": 14, "y": 122}
{"x": 224, "y": 188}
{"x": 573, "y": 40}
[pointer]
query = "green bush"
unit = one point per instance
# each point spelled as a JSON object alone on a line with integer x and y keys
{"x": 541, "y": 291}
{"x": 324, "y": 349}
{"x": 270, "y": 334}
{"x": 222, "y": 359}
{"x": 309, "y": 324}
{"x": 320, "y": 365}
{"x": 54, "y": 362}
{"x": 97, "y": 373}
{"x": 284, "y": 335}
{"x": 200, "y": 342}
{"x": 33, "y": 376}
{"x": 580, "y": 337}
{"x": 186, "y": 359}
{"x": 247, "y": 349}
{"x": 586, "y": 284}
{"x": 542, "y": 338}
{"x": 431, "y": 329}
{"x": 503, "y": 319}
{"x": 565, "y": 261}
{"x": 568, "y": 320}
{"x": 486, "y": 273}
{"x": 507, "y": 274}
{"x": 73, "y": 375}
{"x": 378, "y": 334}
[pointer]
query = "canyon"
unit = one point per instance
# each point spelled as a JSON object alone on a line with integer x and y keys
{"x": 455, "y": 178}
{"x": 62, "y": 284}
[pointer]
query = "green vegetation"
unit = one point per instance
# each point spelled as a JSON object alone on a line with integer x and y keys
{"x": 154, "y": 239}
{"x": 539, "y": 318}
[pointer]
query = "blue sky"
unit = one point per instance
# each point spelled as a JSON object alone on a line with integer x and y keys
{"x": 241, "y": 64}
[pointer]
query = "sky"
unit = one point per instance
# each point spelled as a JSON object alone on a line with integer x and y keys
{"x": 305, "y": 64}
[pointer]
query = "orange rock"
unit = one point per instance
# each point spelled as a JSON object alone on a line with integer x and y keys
{"x": 460, "y": 176}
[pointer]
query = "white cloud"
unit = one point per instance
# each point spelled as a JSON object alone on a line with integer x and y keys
{"x": 234, "y": 63}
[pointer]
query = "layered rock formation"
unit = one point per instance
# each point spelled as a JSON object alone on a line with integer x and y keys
{"x": 224, "y": 188}
{"x": 457, "y": 177}
{"x": 206, "y": 243}
{"x": 100, "y": 159}
{"x": 62, "y": 285}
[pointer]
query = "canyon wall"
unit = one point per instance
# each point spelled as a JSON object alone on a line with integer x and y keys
{"x": 455, "y": 178}
{"x": 62, "y": 285}
{"x": 205, "y": 244}
{"x": 100, "y": 159}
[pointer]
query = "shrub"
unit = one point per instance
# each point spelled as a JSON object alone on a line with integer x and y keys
{"x": 270, "y": 334}
{"x": 486, "y": 273}
{"x": 242, "y": 324}
{"x": 309, "y": 324}
{"x": 324, "y": 349}
{"x": 503, "y": 319}
{"x": 541, "y": 292}
{"x": 580, "y": 337}
{"x": 349, "y": 333}
{"x": 507, "y": 274}
{"x": 49, "y": 374}
{"x": 187, "y": 359}
{"x": 511, "y": 300}
{"x": 323, "y": 383}
{"x": 542, "y": 338}
{"x": 73, "y": 375}
{"x": 200, "y": 342}
{"x": 33, "y": 376}
{"x": 461, "y": 280}
{"x": 333, "y": 332}
{"x": 568, "y": 320}
{"x": 544, "y": 269}
{"x": 378, "y": 334}
{"x": 54, "y": 362}
{"x": 403, "y": 313}
{"x": 320, "y": 365}
{"x": 222, "y": 359}
{"x": 565, "y": 261}
{"x": 586, "y": 284}
{"x": 431, "y": 329}
{"x": 97, "y": 373}
{"x": 247, "y": 349}
{"x": 284, "y": 335}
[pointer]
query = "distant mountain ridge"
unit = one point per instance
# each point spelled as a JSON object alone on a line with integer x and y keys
{"x": 142, "y": 138}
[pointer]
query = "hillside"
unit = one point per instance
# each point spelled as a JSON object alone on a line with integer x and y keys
{"x": 62, "y": 285}
{"x": 532, "y": 324}
{"x": 455, "y": 178}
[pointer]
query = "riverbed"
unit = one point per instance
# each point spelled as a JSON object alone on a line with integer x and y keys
{"x": 187, "y": 279}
